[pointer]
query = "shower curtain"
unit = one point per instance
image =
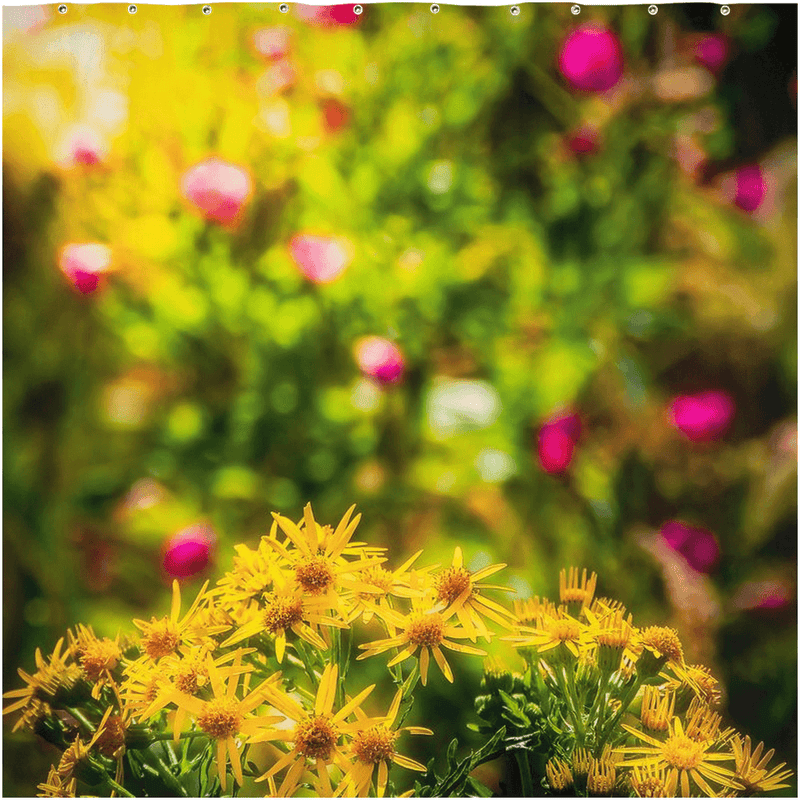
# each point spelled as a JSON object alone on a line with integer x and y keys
{"x": 517, "y": 281}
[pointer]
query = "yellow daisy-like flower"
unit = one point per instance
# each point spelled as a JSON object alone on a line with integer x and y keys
{"x": 78, "y": 752}
{"x": 241, "y": 589}
{"x": 751, "y": 768}
{"x": 316, "y": 552}
{"x": 162, "y": 637}
{"x": 648, "y": 781}
{"x": 684, "y": 760}
{"x": 424, "y": 629}
{"x": 56, "y": 678}
{"x": 658, "y": 708}
{"x": 224, "y": 718}
{"x": 315, "y": 735}
{"x": 559, "y": 775}
{"x": 576, "y": 590}
{"x": 373, "y": 746}
{"x": 458, "y": 587}
{"x": 285, "y": 609}
{"x": 559, "y": 631}
{"x": 98, "y": 657}
{"x": 382, "y": 585}
{"x": 55, "y": 786}
{"x": 530, "y": 612}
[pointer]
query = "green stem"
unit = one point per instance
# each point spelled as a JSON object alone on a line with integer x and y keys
{"x": 166, "y": 737}
{"x": 578, "y": 711}
{"x": 82, "y": 720}
{"x": 600, "y": 695}
{"x": 521, "y": 757}
{"x": 627, "y": 700}
{"x": 120, "y": 790}
{"x": 169, "y": 779}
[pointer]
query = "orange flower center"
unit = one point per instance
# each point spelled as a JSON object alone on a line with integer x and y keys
{"x": 451, "y": 583}
{"x": 98, "y": 656}
{"x": 282, "y": 613}
{"x": 665, "y": 641}
{"x": 565, "y": 630}
{"x": 314, "y": 574}
{"x": 374, "y": 744}
{"x": 112, "y": 737}
{"x": 379, "y": 578}
{"x": 220, "y": 718}
{"x": 426, "y": 630}
{"x": 316, "y": 738}
{"x": 682, "y": 752}
{"x": 162, "y": 638}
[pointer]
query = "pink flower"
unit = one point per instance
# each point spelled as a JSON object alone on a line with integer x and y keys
{"x": 696, "y": 545}
{"x": 712, "y": 51}
{"x": 86, "y": 147}
{"x": 85, "y": 265}
{"x": 591, "y": 59}
{"x": 751, "y": 188}
{"x": 380, "y": 359}
{"x": 702, "y": 417}
{"x": 584, "y": 141}
{"x": 272, "y": 43}
{"x": 189, "y": 551}
{"x": 327, "y": 16}
{"x": 557, "y": 439}
{"x": 218, "y": 189}
{"x": 279, "y": 78}
{"x": 320, "y": 258}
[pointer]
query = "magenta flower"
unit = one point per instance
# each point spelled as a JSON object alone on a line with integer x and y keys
{"x": 557, "y": 439}
{"x": 272, "y": 43}
{"x": 328, "y": 16}
{"x": 380, "y": 360}
{"x": 702, "y": 417}
{"x": 218, "y": 189}
{"x": 320, "y": 258}
{"x": 712, "y": 51}
{"x": 697, "y": 545}
{"x": 766, "y": 595}
{"x": 189, "y": 551}
{"x": 85, "y": 265}
{"x": 591, "y": 59}
{"x": 751, "y": 187}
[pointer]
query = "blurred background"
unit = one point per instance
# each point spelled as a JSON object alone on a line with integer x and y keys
{"x": 520, "y": 283}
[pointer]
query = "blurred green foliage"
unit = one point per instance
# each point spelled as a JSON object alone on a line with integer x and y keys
{"x": 487, "y": 249}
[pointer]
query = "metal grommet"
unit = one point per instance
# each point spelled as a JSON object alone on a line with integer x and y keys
{"x": 206, "y": 9}
{"x": 283, "y": 8}
{"x": 435, "y": 8}
{"x": 725, "y": 10}
{"x": 62, "y": 9}
{"x": 132, "y": 9}
{"x": 575, "y": 10}
{"x": 358, "y": 9}
{"x": 653, "y": 10}
{"x": 515, "y": 10}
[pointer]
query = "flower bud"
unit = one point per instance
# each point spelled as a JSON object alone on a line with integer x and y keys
{"x": 704, "y": 416}
{"x": 85, "y": 265}
{"x": 712, "y": 51}
{"x": 189, "y": 551}
{"x": 556, "y": 444}
{"x": 218, "y": 189}
{"x": 751, "y": 187}
{"x": 380, "y": 360}
{"x": 591, "y": 59}
{"x": 320, "y": 258}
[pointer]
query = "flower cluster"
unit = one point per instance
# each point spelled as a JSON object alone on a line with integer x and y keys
{"x": 250, "y": 683}
{"x": 604, "y": 708}
{"x": 250, "y": 680}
